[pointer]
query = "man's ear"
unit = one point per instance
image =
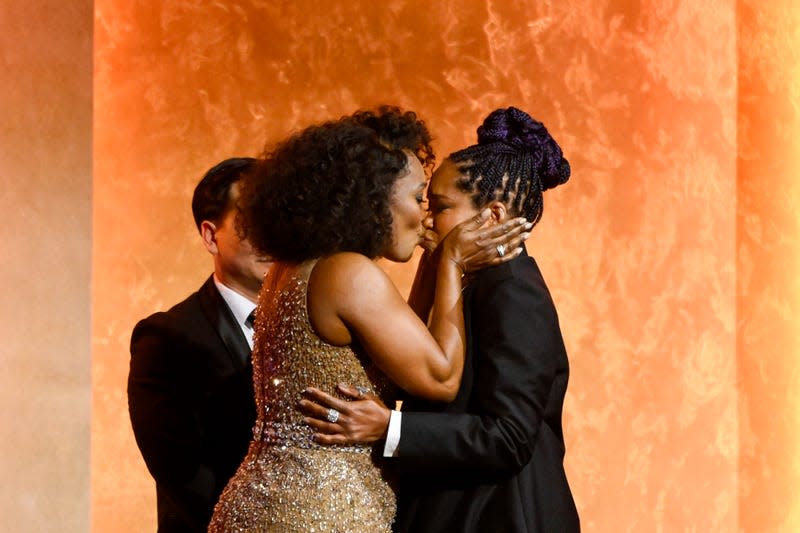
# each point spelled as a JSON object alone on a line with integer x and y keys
{"x": 208, "y": 232}
{"x": 499, "y": 212}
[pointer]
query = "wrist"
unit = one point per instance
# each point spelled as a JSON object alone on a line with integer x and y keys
{"x": 449, "y": 256}
{"x": 386, "y": 421}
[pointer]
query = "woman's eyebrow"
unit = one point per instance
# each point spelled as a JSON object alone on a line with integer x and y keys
{"x": 437, "y": 196}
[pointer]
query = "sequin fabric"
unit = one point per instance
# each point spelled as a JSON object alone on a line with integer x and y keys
{"x": 287, "y": 482}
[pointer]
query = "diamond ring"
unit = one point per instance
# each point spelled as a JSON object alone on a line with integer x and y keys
{"x": 362, "y": 390}
{"x": 333, "y": 415}
{"x": 501, "y": 250}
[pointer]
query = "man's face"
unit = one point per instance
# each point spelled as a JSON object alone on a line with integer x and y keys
{"x": 236, "y": 264}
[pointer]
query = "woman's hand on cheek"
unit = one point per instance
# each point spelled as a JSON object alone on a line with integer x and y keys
{"x": 473, "y": 245}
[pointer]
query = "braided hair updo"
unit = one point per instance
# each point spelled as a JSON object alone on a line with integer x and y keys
{"x": 515, "y": 160}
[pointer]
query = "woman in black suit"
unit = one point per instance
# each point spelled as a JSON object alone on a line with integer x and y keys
{"x": 492, "y": 460}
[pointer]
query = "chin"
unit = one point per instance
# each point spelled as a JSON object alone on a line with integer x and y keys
{"x": 400, "y": 256}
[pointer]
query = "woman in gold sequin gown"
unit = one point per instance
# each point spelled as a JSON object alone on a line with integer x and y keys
{"x": 325, "y": 204}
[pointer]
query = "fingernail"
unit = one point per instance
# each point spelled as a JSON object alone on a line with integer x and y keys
{"x": 529, "y": 225}
{"x": 525, "y": 236}
{"x": 518, "y": 250}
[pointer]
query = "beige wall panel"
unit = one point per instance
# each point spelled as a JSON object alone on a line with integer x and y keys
{"x": 45, "y": 199}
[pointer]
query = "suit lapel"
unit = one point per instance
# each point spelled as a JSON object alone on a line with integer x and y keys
{"x": 221, "y": 317}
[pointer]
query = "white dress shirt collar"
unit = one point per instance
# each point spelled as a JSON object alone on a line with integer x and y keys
{"x": 240, "y": 306}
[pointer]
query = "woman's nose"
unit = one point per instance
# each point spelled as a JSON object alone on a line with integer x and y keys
{"x": 427, "y": 222}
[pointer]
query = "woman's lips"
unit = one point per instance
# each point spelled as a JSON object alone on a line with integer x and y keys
{"x": 427, "y": 242}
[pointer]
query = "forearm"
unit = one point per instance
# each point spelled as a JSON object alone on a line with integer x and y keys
{"x": 447, "y": 321}
{"x": 163, "y": 415}
{"x": 170, "y": 456}
{"x": 420, "y": 298}
{"x": 465, "y": 441}
{"x": 164, "y": 428}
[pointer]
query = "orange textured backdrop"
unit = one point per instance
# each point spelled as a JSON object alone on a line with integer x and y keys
{"x": 768, "y": 265}
{"x": 672, "y": 261}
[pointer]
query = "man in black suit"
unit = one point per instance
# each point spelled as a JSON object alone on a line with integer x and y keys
{"x": 492, "y": 460}
{"x": 190, "y": 391}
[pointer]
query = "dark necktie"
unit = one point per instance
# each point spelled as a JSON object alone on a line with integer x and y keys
{"x": 251, "y": 319}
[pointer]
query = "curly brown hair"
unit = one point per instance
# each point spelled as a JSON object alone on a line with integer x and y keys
{"x": 328, "y": 188}
{"x": 398, "y": 129}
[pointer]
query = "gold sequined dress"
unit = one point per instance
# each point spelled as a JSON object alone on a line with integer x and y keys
{"x": 287, "y": 482}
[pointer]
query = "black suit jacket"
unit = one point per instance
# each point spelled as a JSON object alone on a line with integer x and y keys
{"x": 493, "y": 459}
{"x": 190, "y": 397}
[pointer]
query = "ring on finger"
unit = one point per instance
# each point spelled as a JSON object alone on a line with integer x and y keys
{"x": 362, "y": 390}
{"x": 333, "y": 415}
{"x": 501, "y": 250}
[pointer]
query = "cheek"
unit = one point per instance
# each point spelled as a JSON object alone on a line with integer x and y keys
{"x": 404, "y": 222}
{"x": 442, "y": 224}
{"x": 414, "y": 215}
{"x": 445, "y": 221}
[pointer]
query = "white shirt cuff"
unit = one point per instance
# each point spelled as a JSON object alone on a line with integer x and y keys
{"x": 392, "y": 435}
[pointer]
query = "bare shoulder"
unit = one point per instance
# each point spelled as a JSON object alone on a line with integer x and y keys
{"x": 347, "y": 274}
{"x": 342, "y": 287}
